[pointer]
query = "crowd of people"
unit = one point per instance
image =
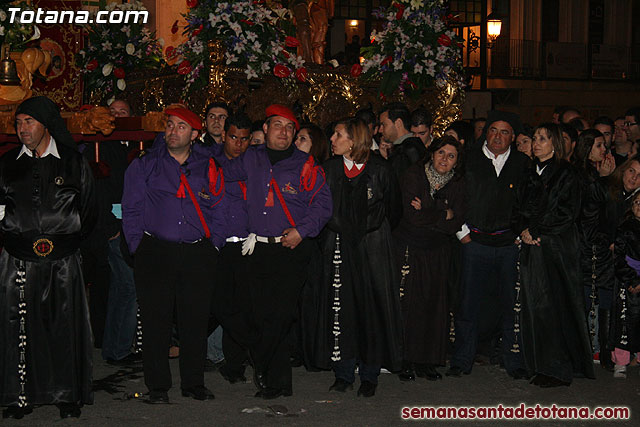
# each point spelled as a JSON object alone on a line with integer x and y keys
{"x": 369, "y": 245}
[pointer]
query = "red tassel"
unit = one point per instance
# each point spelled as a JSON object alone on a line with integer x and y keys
{"x": 181, "y": 193}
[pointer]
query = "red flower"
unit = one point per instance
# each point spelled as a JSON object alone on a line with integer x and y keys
{"x": 118, "y": 73}
{"x": 400, "y": 11}
{"x": 444, "y": 40}
{"x": 197, "y": 30}
{"x": 281, "y": 71}
{"x": 286, "y": 54}
{"x": 246, "y": 21}
{"x": 291, "y": 42}
{"x": 184, "y": 67}
{"x": 301, "y": 74}
{"x": 174, "y": 27}
{"x": 386, "y": 60}
{"x": 356, "y": 70}
{"x": 92, "y": 65}
{"x": 192, "y": 3}
{"x": 170, "y": 52}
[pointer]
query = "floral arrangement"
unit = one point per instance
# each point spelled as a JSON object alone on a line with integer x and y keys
{"x": 415, "y": 50}
{"x": 115, "y": 50}
{"x": 254, "y": 37}
{"x": 16, "y": 34}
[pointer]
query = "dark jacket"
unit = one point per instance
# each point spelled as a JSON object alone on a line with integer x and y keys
{"x": 404, "y": 155}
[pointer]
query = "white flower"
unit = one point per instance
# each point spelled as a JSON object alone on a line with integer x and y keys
{"x": 257, "y": 46}
{"x": 236, "y": 28}
{"x": 418, "y": 69}
{"x": 107, "y": 45}
{"x": 417, "y": 4}
{"x": 107, "y": 68}
{"x": 36, "y": 33}
{"x": 231, "y": 58}
{"x": 250, "y": 72}
{"x": 121, "y": 84}
{"x": 130, "y": 48}
{"x": 265, "y": 67}
{"x": 397, "y": 65}
{"x": 197, "y": 47}
{"x": 251, "y": 36}
{"x": 3, "y": 15}
{"x": 1, "y": 30}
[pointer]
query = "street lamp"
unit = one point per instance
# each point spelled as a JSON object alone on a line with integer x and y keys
{"x": 494, "y": 25}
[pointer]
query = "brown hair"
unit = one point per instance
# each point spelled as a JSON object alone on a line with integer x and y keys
{"x": 555, "y": 135}
{"x": 359, "y": 133}
{"x": 616, "y": 186}
{"x": 319, "y": 142}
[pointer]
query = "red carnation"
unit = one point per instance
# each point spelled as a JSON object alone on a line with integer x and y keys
{"x": 356, "y": 70}
{"x": 197, "y": 31}
{"x": 92, "y": 65}
{"x": 184, "y": 67}
{"x": 281, "y": 71}
{"x": 192, "y": 3}
{"x": 174, "y": 27}
{"x": 118, "y": 73}
{"x": 444, "y": 40}
{"x": 400, "y": 11}
{"x": 301, "y": 74}
{"x": 170, "y": 52}
{"x": 291, "y": 42}
{"x": 386, "y": 60}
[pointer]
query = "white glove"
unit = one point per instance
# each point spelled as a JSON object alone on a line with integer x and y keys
{"x": 249, "y": 244}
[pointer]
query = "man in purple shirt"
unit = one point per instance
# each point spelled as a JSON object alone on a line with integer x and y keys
{"x": 173, "y": 223}
{"x": 287, "y": 201}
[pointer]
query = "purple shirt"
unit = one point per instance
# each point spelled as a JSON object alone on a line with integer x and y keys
{"x": 235, "y": 202}
{"x": 150, "y": 204}
{"x": 310, "y": 207}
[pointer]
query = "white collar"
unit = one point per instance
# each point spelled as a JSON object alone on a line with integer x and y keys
{"x": 349, "y": 163}
{"x": 539, "y": 169}
{"x": 51, "y": 149}
{"x": 492, "y": 156}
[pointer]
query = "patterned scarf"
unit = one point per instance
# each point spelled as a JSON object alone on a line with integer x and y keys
{"x": 436, "y": 181}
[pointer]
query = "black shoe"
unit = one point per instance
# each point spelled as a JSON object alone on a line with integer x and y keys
{"x": 69, "y": 410}
{"x": 158, "y": 397}
{"x": 199, "y": 392}
{"x": 367, "y": 389}
{"x": 520, "y": 374}
{"x": 407, "y": 374}
{"x": 545, "y": 381}
{"x": 16, "y": 412}
{"x": 341, "y": 385}
{"x": 269, "y": 393}
{"x": 295, "y": 362}
{"x": 454, "y": 371}
{"x": 231, "y": 376}
{"x": 210, "y": 366}
{"x": 431, "y": 373}
{"x": 130, "y": 359}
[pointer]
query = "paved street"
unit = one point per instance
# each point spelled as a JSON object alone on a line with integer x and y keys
{"x": 312, "y": 404}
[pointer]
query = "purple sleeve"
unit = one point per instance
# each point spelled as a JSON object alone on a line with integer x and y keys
{"x": 320, "y": 208}
{"x": 133, "y": 204}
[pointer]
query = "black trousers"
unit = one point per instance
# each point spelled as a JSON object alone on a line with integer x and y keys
{"x": 277, "y": 276}
{"x": 169, "y": 273}
{"x": 231, "y": 307}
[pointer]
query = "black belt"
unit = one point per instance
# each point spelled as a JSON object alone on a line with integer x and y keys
{"x": 41, "y": 247}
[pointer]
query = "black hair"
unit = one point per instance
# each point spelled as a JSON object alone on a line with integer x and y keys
{"x": 583, "y": 148}
{"x": 421, "y": 116}
{"x": 464, "y": 130}
{"x": 218, "y": 104}
{"x": 438, "y": 143}
{"x": 367, "y": 116}
{"x": 569, "y": 130}
{"x": 635, "y": 112}
{"x": 257, "y": 125}
{"x": 240, "y": 120}
{"x": 604, "y": 120}
{"x": 398, "y": 110}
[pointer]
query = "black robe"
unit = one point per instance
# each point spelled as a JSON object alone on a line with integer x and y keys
{"x": 626, "y": 324}
{"x": 555, "y": 338}
{"x": 365, "y": 209}
{"x": 54, "y": 199}
{"x": 423, "y": 241}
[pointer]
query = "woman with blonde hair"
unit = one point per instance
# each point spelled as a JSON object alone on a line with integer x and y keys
{"x": 359, "y": 319}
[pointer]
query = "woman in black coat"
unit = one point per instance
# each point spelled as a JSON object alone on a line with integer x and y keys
{"x": 359, "y": 319}
{"x": 555, "y": 339}
{"x": 593, "y": 165}
{"x": 433, "y": 205}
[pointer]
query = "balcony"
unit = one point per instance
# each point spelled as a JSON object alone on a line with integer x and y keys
{"x": 528, "y": 59}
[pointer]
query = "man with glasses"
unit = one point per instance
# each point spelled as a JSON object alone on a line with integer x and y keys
{"x": 215, "y": 115}
{"x": 632, "y": 124}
